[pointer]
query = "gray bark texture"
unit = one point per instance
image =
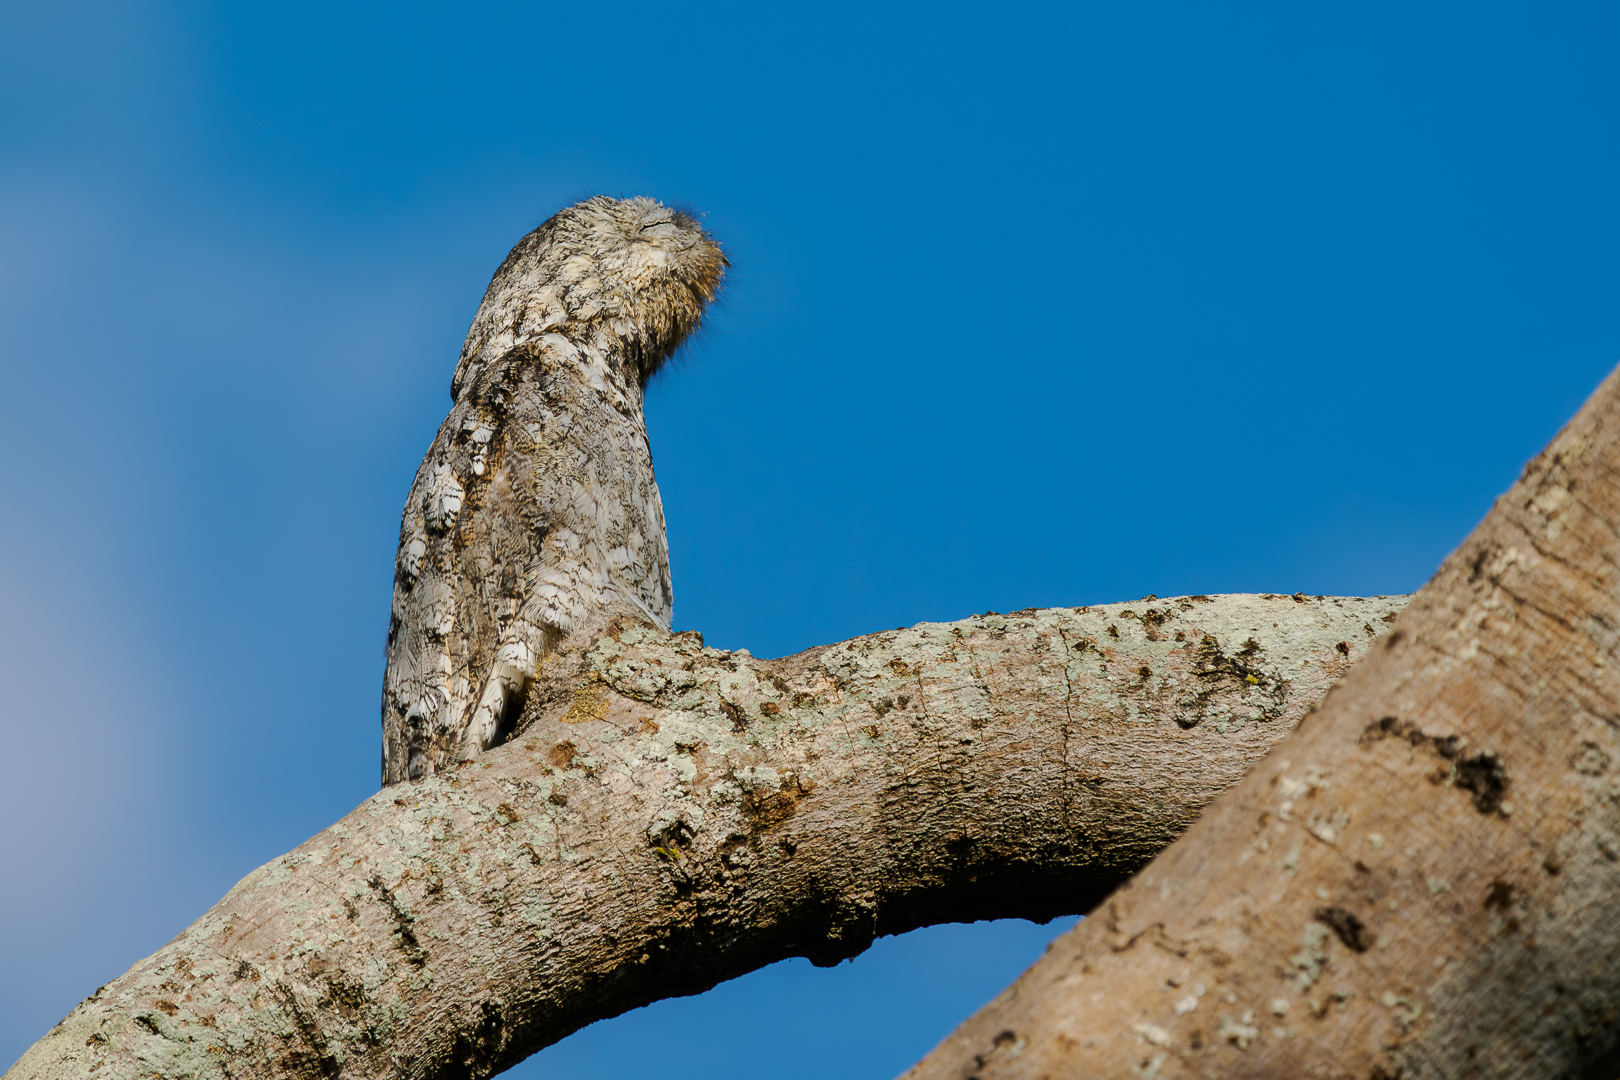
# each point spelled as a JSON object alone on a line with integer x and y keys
{"x": 668, "y": 816}
{"x": 1422, "y": 882}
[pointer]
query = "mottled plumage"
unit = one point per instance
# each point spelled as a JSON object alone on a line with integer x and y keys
{"x": 536, "y": 507}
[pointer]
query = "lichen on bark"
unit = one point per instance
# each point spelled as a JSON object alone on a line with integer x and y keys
{"x": 669, "y": 816}
{"x": 1422, "y": 881}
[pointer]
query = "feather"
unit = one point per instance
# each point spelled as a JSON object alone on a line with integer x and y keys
{"x": 536, "y": 507}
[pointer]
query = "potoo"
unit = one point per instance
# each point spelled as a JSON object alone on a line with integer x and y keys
{"x": 536, "y": 508}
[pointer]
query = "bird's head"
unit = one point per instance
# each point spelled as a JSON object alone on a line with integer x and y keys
{"x": 632, "y": 274}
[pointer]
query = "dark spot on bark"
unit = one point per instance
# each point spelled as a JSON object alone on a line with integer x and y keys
{"x": 346, "y": 998}
{"x": 404, "y": 922}
{"x": 1393, "y": 640}
{"x": 1181, "y": 635}
{"x": 557, "y": 798}
{"x": 1589, "y": 760}
{"x": 881, "y": 706}
{"x": 1196, "y": 1040}
{"x": 1392, "y": 1072}
{"x": 872, "y": 731}
{"x": 1113, "y": 631}
{"x": 901, "y": 701}
{"x": 1300, "y": 598}
{"x": 1236, "y": 677}
{"x": 693, "y": 636}
{"x": 1388, "y": 727}
{"x": 1500, "y": 896}
{"x": 1351, "y": 930}
{"x": 507, "y": 811}
{"x": 98, "y": 1039}
{"x": 1005, "y": 1038}
{"x": 168, "y": 1008}
{"x": 148, "y": 1023}
{"x": 801, "y": 700}
{"x": 1484, "y": 776}
{"x": 1362, "y": 868}
{"x": 734, "y": 713}
{"x": 1477, "y": 567}
{"x": 1388, "y": 618}
{"x": 781, "y": 684}
{"x": 1343, "y": 647}
{"x": 562, "y": 754}
{"x": 770, "y": 708}
{"x": 772, "y": 808}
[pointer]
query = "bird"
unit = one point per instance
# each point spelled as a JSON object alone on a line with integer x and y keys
{"x": 535, "y": 508}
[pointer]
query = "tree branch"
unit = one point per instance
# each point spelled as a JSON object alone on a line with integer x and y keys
{"x": 1423, "y": 881}
{"x": 671, "y": 816}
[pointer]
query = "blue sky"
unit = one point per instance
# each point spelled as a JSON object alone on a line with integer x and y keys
{"x": 1031, "y": 305}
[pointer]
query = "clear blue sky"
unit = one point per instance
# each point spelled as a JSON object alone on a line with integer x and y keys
{"x": 1032, "y": 305}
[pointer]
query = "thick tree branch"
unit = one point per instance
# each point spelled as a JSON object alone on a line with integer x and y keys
{"x": 1422, "y": 881}
{"x": 671, "y": 816}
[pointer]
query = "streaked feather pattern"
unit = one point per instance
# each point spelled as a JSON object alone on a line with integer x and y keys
{"x": 535, "y": 508}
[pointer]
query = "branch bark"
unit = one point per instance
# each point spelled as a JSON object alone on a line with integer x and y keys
{"x": 1423, "y": 881}
{"x": 671, "y": 816}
